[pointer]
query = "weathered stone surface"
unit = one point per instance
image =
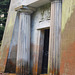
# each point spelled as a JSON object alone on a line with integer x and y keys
{"x": 39, "y": 17}
{"x": 7, "y": 36}
{"x": 67, "y": 62}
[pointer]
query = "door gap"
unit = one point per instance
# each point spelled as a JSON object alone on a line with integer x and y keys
{"x": 45, "y": 52}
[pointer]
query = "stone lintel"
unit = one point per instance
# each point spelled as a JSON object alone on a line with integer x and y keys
{"x": 26, "y": 9}
{"x": 56, "y": 1}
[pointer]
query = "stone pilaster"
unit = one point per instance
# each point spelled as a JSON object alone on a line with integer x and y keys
{"x": 55, "y": 33}
{"x": 23, "y": 51}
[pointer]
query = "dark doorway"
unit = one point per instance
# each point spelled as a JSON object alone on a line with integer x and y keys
{"x": 45, "y": 52}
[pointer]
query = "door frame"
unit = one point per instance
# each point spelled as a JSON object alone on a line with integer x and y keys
{"x": 40, "y": 42}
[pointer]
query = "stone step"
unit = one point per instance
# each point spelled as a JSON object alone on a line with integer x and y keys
{"x": 7, "y": 74}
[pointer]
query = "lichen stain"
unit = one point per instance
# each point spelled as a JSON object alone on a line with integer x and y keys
{"x": 13, "y": 52}
{"x": 22, "y": 67}
{"x": 8, "y": 30}
{"x": 43, "y": 9}
{"x": 67, "y": 10}
{"x": 4, "y": 55}
{"x": 12, "y": 19}
{"x": 0, "y": 54}
{"x": 35, "y": 69}
{"x": 68, "y": 35}
{"x": 10, "y": 66}
{"x": 11, "y": 60}
{"x": 67, "y": 64}
{"x": 34, "y": 55}
{"x": 7, "y": 37}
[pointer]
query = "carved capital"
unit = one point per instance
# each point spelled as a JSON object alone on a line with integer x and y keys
{"x": 25, "y": 9}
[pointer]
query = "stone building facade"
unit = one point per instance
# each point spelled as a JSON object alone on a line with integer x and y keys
{"x": 39, "y": 38}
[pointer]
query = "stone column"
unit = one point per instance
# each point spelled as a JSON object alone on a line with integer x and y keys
{"x": 23, "y": 51}
{"x": 55, "y": 33}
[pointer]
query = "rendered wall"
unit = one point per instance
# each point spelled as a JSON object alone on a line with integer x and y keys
{"x": 9, "y": 42}
{"x": 12, "y": 54}
{"x": 67, "y": 63}
{"x": 7, "y": 38}
{"x": 8, "y": 33}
